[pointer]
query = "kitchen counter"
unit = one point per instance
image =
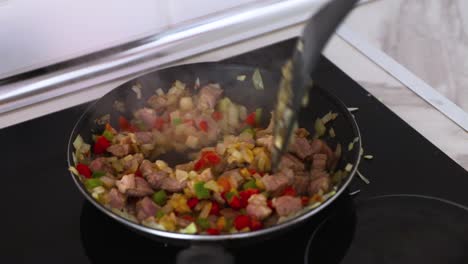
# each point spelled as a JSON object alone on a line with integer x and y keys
{"x": 422, "y": 116}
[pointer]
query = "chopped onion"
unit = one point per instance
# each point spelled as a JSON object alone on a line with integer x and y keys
{"x": 364, "y": 179}
{"x": 369, "y": 157}
{"x": 320, "y": 128}
{"x": 351, "y": 145}
{"x": 329, "y": 117}
{"x": 300, "y": 46}
{"x": 137, "y": 89}
{"x": 197, "y": 83}
{"x": 257, "y": 80}
{"x": 190, "y": 229}
{"x": 212, "y": 185}
{"x": 305, "y": 100}
{"x": 73, "y": 170}
{"x": 78, "y": 142}
{"x": 332, "y": 132}
{"x": 160, "y": 92}
{"x": 348, "y": 167}
{"x": 241, "y": 78}
{"x": 181, "y": 175}
{"x": 353, "y": 109}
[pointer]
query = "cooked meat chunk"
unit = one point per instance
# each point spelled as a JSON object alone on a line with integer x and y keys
{"x": 146, "y": 167}
{"x": 119, "y": 150}
{"x": 127, "y": 182}
{"x": 319, "y": 184}
{"x": 286, "y": 205}
{"x": 229, "y": 213}
{"x": 155, "y": 178}
{"x": 144, "y": 137}
{"x": 234, "y": 177}
{"x": 319, "y": 162}
{"x": 116, "y": 199}
{"x": 142, "y": 188}
{"x": 218, "y": 198}
{"x": 301, "y": 184}
{"x": 181, "y": 222}
{"x": 157, "y": 102}
{"x": 147, "y": 115}
{"x": 209, "y": 96}
{"x": 146, "y": 208}
{"x": 301, "y": 147}
{"x": 314, "y": 174}
{"x": 320, "y": 147}
{"x": 275, "y": 183}
{"x": 100, "y": 164}
{"x": 258, "y": 207}
{"x": 108, "y": 180}
{"x": 132, "y": 162}
{"x": 291, "y": 162}
{"x": 172, "y": 185}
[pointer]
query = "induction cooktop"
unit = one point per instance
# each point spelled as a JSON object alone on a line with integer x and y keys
{"x": 413, "y": 210}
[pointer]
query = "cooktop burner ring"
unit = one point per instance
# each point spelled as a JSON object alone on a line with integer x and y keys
{"x": 397, "y": 228}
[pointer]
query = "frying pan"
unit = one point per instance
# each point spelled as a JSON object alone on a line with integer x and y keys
{"x": 204, "y": 248}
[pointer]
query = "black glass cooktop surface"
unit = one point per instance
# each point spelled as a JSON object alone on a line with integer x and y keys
{"x": 46, "y": 220}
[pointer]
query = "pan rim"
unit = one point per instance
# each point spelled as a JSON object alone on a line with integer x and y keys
{"x": 224, "y": 237}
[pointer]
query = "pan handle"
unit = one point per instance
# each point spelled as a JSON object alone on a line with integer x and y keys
{"x": 204, "y": 254}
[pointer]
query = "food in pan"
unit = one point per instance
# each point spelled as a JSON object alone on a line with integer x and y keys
{"x": 226, "y": 187}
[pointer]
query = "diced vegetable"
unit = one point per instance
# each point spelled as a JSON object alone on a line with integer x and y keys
{"x": 84, "y": 170}
{"x": 257, "y": 80}
{"x": 203, "y": 125}
{"x": 73, "y": 170}
{"x": 224, "y": 183}
{"x": 320, "y": 128}
{"x": 101, "y": 145}
{"x": 348, "y": 167}
{"x": 160, "y": 197}
{"x": 214, "y": 208}
{"x": 251, "y": 119}
{"x": 241, "y": 77}
{"x": 217, "y": 116}
{"x": 137, "y": 89}
{"x": 369, "y": 157}
{"x": 98, "y": 174}
{"x": 212, "y": 231}
{"x": 125, "y": 125}
{"x": 289, "y": 191}
{"x": 203, "y": 223}
{"x": 200, "y": 191}
{"x": 176, "y": 121}
{"x": 159, "y": 123}
{"x": 249, "y": 185}
{"x": 190, "y": 229}
{"x": 108, "y": 135}
{"x": 241, "y": 222}
{"x": 192, "y": 202}
{"x": 258, "y": 116}
{"x": 92, "y": 183}
{"x": 78, "y": 142}
{"x": 362, "y": 177}
{"x": 186, "y": 103}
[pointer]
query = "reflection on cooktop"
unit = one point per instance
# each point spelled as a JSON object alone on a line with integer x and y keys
{"x": 396, "y": 229}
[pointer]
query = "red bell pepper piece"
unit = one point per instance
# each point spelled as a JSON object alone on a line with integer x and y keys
{"x": 289, "y": 191}
{"x": 304, "y": 200}
{"x": 235, "y": 203}
{"x": 192, "y": 202}
{"x": 208, "y": 158}
{"x": 217, "y": 116}
{"x": 125, "y": 125}
{"x": 250, "y": 120}
{"x": 159, "y": 123}
{"x": 84, "y": 170}
{"x": 101, "y": 145}
{"x": 188, "y": 217}
{"x": 212, "y": 231}
{"x": 214, "y": 208}
{"x": 270, "y": 204}
{"x": 203, "y": 125}
{"x": 200, "y": 164}
{"x": 189, "y": 122}
{"x": 241, "y": 222}
{"x": 255, "y": 224}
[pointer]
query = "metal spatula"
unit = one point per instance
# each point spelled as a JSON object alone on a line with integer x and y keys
{"x": 296, "y": 80}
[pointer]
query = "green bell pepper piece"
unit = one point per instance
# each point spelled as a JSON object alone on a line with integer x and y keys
{"x": 200, "y": 191}
{"x": 160, "y": 197}
{"x": 92, "y": 183}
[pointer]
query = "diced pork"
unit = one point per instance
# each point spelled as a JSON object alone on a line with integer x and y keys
{"x": 229, "y": 213}
{"x": 319, "y": 184}
{"x": 147, "y": 115}
{"x": 234, "y": 177}
{"x": 127, "y": 182}
{"x": 301, "y": 147}
{"x": 209, "y": 96}
{"x": 108, "y": 180}
{"x": 291, "y": 162}
{"x": 258, "y": 207}
{"x": 116, "y": 199}
{"x": 119, "y": 150}
{"x": 146, "y": 167}
{"x": 157, "y": 102}
{"x": 100, "y": 164}
{"x": 320, "y": 147}
{"x": 286, "y": 205}
{"x": 314, "y": 174}
{"x": 131, "y": 163}
{"x": 275, "y": 183}
{"x": 146, "y": 208}
{"x": 142, "y": 188}
{"x": 161, "y": 180}
{"x": 155, "y": 178}
{"x": 144, "y": 137}
{"x": 301, "y": 184}
{"x": 319, "y": 162}
{"x": 181, "y": 222}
